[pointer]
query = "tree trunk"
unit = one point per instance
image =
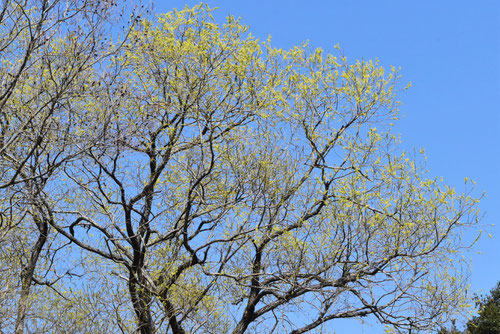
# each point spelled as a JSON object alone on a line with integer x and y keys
{"x": 27, "y": 273}
{"x": 141, "y": 301}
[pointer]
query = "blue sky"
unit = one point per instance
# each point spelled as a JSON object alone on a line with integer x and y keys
{"x": 449, "y": 50}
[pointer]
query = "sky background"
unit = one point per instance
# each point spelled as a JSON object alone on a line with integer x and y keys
{"x": 448, "y": 49}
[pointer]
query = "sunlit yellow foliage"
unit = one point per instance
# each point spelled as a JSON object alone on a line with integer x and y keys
{"x": 227, "y": 185}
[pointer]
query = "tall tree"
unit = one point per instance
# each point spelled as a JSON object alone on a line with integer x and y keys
{"x": 46, "y": 49}
{"x": 215, "y": 184}
{"x": 488, "y": 320}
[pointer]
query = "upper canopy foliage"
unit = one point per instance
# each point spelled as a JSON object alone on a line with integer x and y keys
{"x": 221, "y": 185}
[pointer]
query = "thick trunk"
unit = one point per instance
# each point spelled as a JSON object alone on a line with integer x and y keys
{"x": 172, "y": 319}
{"x": 27, "y": 276}
{"x": 141, "y": 300}
{"x": 246, "y": 320}
{"x": 240, "y": 328}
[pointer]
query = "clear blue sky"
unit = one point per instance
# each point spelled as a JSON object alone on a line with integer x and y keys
{"x": 448, "y": 49}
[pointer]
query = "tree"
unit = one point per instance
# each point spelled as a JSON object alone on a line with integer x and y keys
{"x": 215, "y": 184}
{"x": 488, "y": 320}
{"x": 452, "y": 330}
{"x": 46, "y": 48}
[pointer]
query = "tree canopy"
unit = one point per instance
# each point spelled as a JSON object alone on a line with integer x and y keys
{"x": 187, "y": 177}
{"x": 488, "y": 320}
